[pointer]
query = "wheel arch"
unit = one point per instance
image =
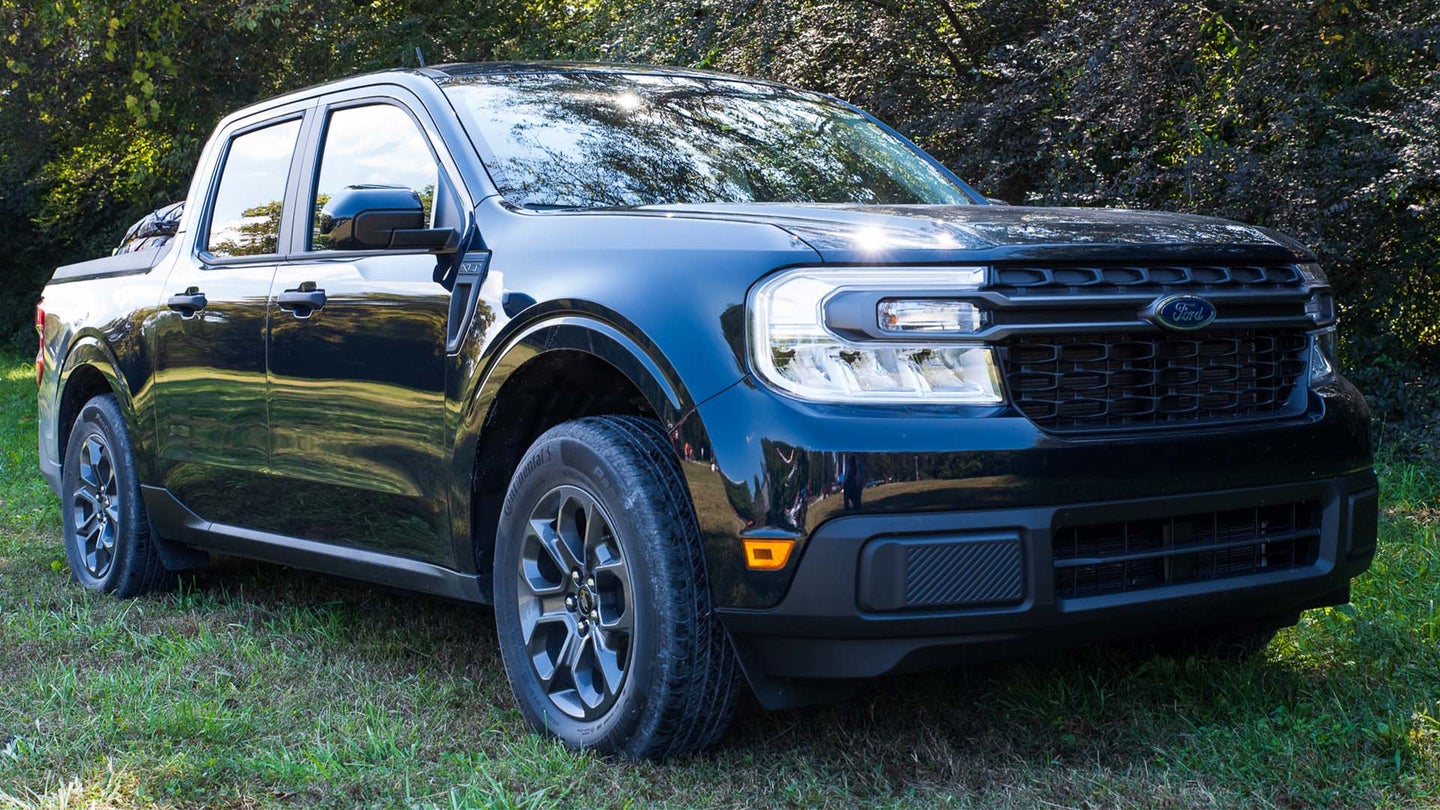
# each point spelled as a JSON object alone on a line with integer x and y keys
{"x": 90, "y": 369}
{"x": 523, "y": 392}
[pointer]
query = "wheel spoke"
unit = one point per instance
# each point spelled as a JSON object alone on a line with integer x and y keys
{"x": 596, "y": 533}
{"x": 572, "y": 521}
{"x": 562, "y": 665}
{"x": 90, "y": 498}
{"x": 534, "y": 583}
{"x": 107, "y": 537}
{"x": 590, "y": 679}
{"x": 621, "y": 623}
{"x": 104, "y": 552}
{"x": 611, "y": 668}
{"x": 614, "y": 567}
{"x": 574, "y": 651}
{"x": 534, "y": 616}
{"x": 86, "y": 510}
{"x": 90, "y": 453}
{"x": 554, "y": 544}
{"x": 105, "y": 472}
{"x": 612, "y": 578}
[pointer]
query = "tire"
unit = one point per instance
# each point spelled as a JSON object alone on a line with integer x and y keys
{"x": 108, "y": 538}
{"x": 662, "y": 687}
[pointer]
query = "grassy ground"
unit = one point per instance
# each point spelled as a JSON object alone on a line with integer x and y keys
{"x": 258, "y": 686}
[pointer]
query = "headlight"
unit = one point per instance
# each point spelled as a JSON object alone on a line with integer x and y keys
{"x": 796, "y": 351}
{"x": 1313, "y": 275}
{"x": 1323, "y": 363}
{"x": 1321, "y": 306}
{"x": 900, "y": 316}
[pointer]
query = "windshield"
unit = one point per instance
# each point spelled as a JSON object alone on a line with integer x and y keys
{"x": 587, "y": 140}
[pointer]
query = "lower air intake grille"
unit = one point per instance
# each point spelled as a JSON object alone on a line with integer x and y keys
{"x": 1108, "y": 381}
{"x": 1134, "y": 555}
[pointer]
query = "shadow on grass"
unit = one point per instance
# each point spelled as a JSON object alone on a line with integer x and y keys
{"x": 1327, "y": 715}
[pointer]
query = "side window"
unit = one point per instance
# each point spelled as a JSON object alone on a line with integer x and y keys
{"x": 245, "y": 220}
{"x": 372, "y": 157}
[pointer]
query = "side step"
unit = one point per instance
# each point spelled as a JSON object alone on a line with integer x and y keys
{"x": 180, "y": 525}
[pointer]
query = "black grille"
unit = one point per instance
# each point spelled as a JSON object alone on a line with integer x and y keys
{"x": 1095, "y": 382}
{"x": 1020, "y": 280}
{"x": 1134, "y": 555}
{"x": 963, "y": 574}
{"x": 919, "y": 573}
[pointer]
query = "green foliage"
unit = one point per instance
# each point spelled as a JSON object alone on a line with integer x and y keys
{"x": 1320, "y": 118}
{"x": 104, "y": 106}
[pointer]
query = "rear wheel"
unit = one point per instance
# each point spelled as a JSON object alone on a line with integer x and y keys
{"x": 601, "y": 601}
{"x": 108, "y": 539}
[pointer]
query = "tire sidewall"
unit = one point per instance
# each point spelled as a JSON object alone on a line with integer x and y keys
{"x": 558, "y": 460}
{"x": 100, "y": 416}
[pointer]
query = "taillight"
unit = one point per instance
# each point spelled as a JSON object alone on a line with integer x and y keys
{"x": 40, "y": 351}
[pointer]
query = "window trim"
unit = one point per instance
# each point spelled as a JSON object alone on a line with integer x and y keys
{"x": 309, "y": 176}
{"x": 202, "y": 230}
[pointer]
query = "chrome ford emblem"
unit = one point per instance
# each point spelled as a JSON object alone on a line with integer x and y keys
{"x": 1182, "y": 312}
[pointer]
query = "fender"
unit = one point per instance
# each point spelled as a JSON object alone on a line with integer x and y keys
{"x": 588, "y": 334}
{"x": 559, "y": 331}
{"x": 90, "y": 350}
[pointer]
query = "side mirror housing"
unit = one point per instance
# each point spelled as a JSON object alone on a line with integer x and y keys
{"x": 374, "y": 217}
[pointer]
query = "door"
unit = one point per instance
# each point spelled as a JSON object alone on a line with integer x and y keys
{"x": 210, "y": 393}
{"x": 357, "y": 356}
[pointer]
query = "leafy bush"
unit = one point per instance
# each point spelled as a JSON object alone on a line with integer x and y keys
{"x": 1319, "y": 118}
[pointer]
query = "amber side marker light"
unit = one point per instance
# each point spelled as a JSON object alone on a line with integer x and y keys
{"x": 766, "y": 554}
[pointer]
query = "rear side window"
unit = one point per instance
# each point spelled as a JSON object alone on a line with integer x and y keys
{"x": 376, "y": 146}
{"x": 245, "y": 220}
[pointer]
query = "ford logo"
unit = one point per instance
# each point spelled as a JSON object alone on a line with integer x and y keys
{"x": 1182, "y": 312}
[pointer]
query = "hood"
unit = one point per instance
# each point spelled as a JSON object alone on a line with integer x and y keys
{"x": 848, "y": 233}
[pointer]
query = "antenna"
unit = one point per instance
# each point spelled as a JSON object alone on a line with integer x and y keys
{"x": 419, "y": 57}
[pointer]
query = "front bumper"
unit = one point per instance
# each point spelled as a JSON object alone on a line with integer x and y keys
{"x": 763, "y": 466}
{"x": 824, "y": 629}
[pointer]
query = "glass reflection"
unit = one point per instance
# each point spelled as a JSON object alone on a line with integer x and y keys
{"x": 245, "y": 220}
{"x": 376, "y": 145}
{"x": 597, "y": 140}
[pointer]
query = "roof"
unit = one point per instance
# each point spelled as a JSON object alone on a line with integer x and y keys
{"x": 462, "y": 71}
{"x": 468, "y": 69}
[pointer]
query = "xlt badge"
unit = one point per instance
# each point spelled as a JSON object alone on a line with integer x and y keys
{"x": 1183, "y": 312}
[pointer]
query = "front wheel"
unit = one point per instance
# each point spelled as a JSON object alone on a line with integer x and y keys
{"x": 601, "y": 600}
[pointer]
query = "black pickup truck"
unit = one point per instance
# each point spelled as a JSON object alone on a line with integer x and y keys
{"x": 701, "y": 381}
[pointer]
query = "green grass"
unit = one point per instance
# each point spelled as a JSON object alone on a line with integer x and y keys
{"x": 257, "y": 686}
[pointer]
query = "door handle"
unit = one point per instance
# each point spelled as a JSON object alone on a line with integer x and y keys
{"x": 187, "y": 303}
{"x": 302, "y": 301}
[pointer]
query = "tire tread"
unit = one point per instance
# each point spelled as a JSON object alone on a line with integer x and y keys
{"x": 691, "y": 692}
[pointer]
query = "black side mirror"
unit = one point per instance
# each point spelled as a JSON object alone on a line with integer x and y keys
{"x": 373, "y": 217}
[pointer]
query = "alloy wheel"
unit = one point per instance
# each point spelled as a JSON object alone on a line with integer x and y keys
{"x": 96, "y": 506}
{"x": 576, "y": 607}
